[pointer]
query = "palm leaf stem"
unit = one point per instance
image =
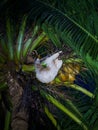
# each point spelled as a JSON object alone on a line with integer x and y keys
{"x": 37, "y": 41}
{"x": 7, "y": 120}
{"x": 50, "y": 116}
{"x": 81, "y": 89}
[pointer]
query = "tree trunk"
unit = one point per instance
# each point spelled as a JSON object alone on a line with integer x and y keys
{"x": 19, "y": 114}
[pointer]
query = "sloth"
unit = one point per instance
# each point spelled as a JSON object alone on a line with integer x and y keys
{"x": 48, "y": 69}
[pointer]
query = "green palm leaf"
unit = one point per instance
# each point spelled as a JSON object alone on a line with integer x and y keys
{"x": 2, "y": 58}
{"x": 37, "y": 41}
{"x": 3, "y": 45}
{"x": 51, "y": 117}
{"x": 54, "y": 37}
{"x": 27, "y": 45}
{"x": 10, "y": 39}
{"x": 64, "y": 109}
{"x": 20, "y": 38}
{"x": 85, "y": 44}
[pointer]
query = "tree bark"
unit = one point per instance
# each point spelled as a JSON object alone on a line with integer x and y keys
{"x": 20, "y": 115}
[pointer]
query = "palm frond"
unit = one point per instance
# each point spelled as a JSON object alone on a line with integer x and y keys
{"x": 2, "y": 58}
{"x": 20, "y": 38}
{"x": 50, "y": 116}
{"x": 37, "y": 41}
{"x": 10, "y": 39}
{"x": 64, "y": 109}
{"x": 3, "y": 46}
{"x": 28, "y": 43}
{"x": 71, "y": 32}
{"x": 7, "y": 120}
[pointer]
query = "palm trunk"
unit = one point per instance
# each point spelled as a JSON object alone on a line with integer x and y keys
{"x": 19, "y": 116}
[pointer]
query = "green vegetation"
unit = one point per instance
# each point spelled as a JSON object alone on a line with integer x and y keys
{"x": 36, "y": 29}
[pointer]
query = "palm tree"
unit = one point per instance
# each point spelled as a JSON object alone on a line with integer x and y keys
{"x": 61, "y": 27}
